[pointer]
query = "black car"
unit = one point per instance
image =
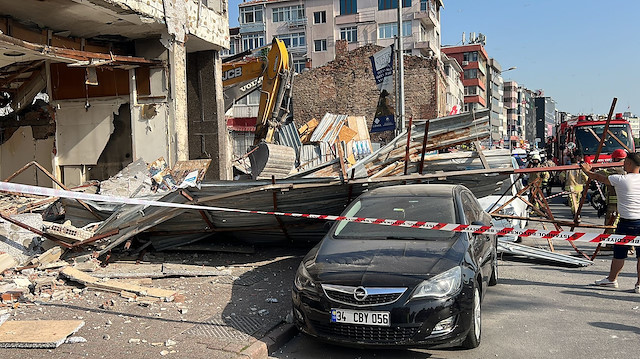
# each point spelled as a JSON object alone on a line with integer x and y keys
{"x": 370, "y": 285}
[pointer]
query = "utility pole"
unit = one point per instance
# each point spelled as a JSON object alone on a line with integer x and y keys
{"x": 400, "y": 104}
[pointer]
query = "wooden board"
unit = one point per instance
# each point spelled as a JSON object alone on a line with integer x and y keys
{"x": 117, "y": 286}
{"x": 45, "y": 334}
{"x": 6, "y": 262}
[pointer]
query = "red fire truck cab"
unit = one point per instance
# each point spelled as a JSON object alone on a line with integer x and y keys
{"x": 585, "y": 133}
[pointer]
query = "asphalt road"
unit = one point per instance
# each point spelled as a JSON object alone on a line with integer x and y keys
{"x": 537, "y": 310}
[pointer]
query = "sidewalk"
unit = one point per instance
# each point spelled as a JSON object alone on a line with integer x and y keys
{"x": 242, "y": 313}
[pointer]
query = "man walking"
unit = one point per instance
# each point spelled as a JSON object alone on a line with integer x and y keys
{"x": 611, "y": 199}
{"x": 628, "y": 192}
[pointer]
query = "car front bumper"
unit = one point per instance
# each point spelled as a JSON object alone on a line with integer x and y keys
{"x": 412, "y": 321}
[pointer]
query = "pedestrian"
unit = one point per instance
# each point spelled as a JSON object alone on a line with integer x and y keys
{"x": 611, "y": 200}
{"x": 574, "y": 181}
{"x": 628, "y": 194}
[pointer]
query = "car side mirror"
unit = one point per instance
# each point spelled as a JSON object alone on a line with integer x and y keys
{"x": 327, "y": 226}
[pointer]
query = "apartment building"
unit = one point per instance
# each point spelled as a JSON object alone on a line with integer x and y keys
{"x": 634, "y": 121}
{"x": 455, "y": 88}
{"x": 545, "y": 118}
{"x": 515, "y": 118}
{"x": 310, "y": 28}
{"x": 474, "y": 61}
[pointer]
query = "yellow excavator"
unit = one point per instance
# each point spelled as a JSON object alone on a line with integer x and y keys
{"x": 273, "y": 75}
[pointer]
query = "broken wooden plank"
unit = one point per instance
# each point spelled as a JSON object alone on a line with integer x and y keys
{"x": 41, "y": 334}
{"x": 483, "y": 159}
{"x": 117, "y": 286}
{"x": 184, "y": 270}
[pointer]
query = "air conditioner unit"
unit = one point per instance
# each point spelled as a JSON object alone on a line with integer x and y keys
{"x": 465, "y": 63}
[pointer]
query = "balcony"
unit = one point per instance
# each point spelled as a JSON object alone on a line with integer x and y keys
{"x": 426, "y": 46}
{"x": 296, "y": 24}
{"x": 428, "y": 17}
{"x": 360, "y": 17}
{"x": 252, "y": 28}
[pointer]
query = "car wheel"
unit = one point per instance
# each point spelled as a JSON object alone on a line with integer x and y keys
{"x": 475, "y": 331}
{"x": 493, "y": 280}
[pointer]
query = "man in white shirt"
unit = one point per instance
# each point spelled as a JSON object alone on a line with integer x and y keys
{"x": 628, "y": 192}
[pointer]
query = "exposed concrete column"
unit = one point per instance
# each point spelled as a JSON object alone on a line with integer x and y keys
{"x": 208, "y": 135}
{"x": 178, "y": 71}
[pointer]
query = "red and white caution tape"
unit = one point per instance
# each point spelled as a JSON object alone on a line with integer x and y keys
{"x": 452, "y": 227}
{"x": 557, "y": 195}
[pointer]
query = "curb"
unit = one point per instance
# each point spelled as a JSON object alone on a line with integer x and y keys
{"x": 271, "y": 342}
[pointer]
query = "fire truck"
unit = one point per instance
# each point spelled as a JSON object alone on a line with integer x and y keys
{"x": 585, "y": 132}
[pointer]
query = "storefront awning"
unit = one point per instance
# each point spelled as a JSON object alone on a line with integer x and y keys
{"x": 242, "y": 124}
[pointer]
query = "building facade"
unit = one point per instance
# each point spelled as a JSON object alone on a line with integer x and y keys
{"x": 455, "y": 88}
{"x": 527, "y": 113}
{"x": 311, "y": 28}
{"x": 634, "y": 121}
{"x": 123, "y": 79}
{"x": 474, "y": 60}
{"x": 545, "y": 119}
{"x": 495, "y": 102}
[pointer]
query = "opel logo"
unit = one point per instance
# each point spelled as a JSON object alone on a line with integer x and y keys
{"x": 360, "y": 294}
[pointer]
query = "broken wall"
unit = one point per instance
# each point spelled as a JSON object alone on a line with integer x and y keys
{"x": 21, "y": 149}
{"x": 346, "y": 85}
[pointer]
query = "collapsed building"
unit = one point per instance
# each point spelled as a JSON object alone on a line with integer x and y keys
{"x": 347, "y": 85}
{"x": 113, "y": 81}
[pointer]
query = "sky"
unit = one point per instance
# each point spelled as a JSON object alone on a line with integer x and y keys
{"x": 579, "y": 52}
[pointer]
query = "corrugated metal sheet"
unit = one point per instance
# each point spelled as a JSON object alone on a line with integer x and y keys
{"x": 328, "y": 128}
{"x": 287, "y": 135}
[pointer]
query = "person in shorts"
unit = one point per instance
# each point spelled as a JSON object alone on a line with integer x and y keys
{"x": 628, "y": 192}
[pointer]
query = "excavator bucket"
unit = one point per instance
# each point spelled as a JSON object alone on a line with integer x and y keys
{"x": 269, "y": 159}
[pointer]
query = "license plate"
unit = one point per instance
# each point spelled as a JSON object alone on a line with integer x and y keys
{"x": 360, "y": 317}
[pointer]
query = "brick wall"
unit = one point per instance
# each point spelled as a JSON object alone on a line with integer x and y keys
{"x": 346, "y": 86}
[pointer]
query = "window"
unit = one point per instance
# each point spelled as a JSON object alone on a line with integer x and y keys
{"x": 293, "y": 40}
{"x": 299, "y": 65}
{"x": 250, "y": 14}
{"x": 288, "y": 13}
{"x": 320, "y": 45}
{"x": 348, "y": 7}
{"x": 349, "y": 33}
{"x": 392, "y": 4}
{"x": 320, "y": 17}
{"x": 390, "y": 30}
{"x": 428, "y": 5}
{"x": 471, "y": 74}
{"x": 470, "y": 56}
{"x": 252, "y": 41}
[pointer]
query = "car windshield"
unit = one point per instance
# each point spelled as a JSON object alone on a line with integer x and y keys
{"x": 589, "y": 137}
{"x": 410, "y": 208}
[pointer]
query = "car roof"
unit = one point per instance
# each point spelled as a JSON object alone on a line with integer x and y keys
{"x": 429, "y": 190}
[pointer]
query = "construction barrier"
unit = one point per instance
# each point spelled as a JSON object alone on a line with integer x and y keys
{"x": 452, "y": 227}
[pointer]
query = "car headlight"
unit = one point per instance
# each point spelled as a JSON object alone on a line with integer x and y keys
{"x": 303, "y": 279}
{"x": 440, "y": 286}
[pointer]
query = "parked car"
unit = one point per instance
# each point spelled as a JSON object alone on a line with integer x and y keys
{"x": 369, "y": 285}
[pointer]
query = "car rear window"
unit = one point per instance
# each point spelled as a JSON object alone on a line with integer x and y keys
{"x": 410, "y": 208}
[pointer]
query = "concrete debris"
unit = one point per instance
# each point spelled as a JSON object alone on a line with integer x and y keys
{"x": 18, "y": 242}
{"x": 272, "y": 300}
{"x": 170, "y": 343}
{"x": 48, "y": 257}
{"x": 75, "y": 340}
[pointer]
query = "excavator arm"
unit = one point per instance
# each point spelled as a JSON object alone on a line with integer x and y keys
{"x": 242, "y": 77}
